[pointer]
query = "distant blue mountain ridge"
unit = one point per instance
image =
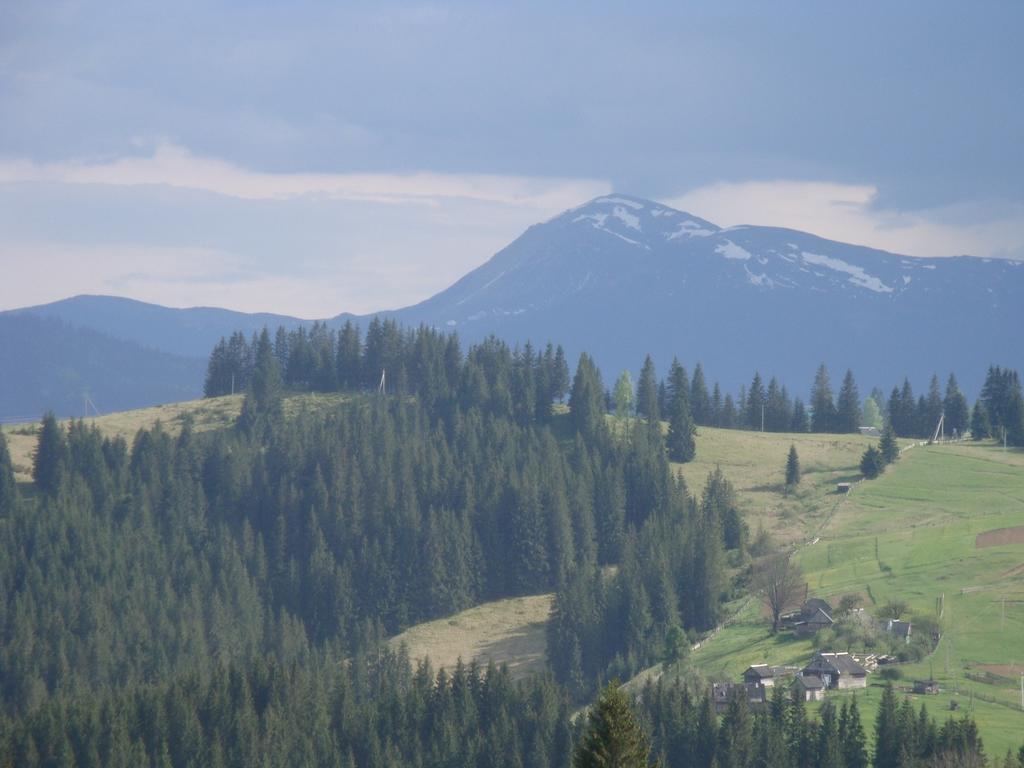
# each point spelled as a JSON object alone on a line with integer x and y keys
{"x": 621, "y": 276}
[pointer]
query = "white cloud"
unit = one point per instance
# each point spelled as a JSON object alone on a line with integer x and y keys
{"x": 175, "y": 166}
{"x": 847, "y": 212}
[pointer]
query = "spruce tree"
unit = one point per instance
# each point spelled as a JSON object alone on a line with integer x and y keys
{"x": 623, "y": 395}
{"x": 887, "y": 736}
{"x": 614, "y": 737}
{"x": 792, "y": 468}
{"x": 800, "y": 420}
{"x": 848, "y": 413}
{"x": 855, "y": 753}
{"x": 700, "y": 403}
{"x": 680, "y": 440}
{"x": 980, "y": 427}
{"x": 955, "y": 407}
{"x": 586, "y": 401}
{"x": 887, "y": 446}
{"x": 49, "y": 465}
{"x": 756, "y": 401}
{"x": 263, "y": 400}
{"x": 647, "y": 392}
{"x": 823, "y": 410}
{"x": 871, "y": 464}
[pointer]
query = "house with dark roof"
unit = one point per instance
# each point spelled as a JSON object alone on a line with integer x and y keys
{"x": 809, "y": 687}
{"x": 837, "y": 670}
{"x": 814, "y": 616}
{"x": 900, "y": 629}
{"x": 766, "y": 676}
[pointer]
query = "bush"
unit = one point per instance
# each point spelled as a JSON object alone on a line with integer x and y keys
{"x": 891, "y": 673}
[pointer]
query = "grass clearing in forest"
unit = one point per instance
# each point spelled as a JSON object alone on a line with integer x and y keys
{"x": 206, "y": 414}
{"x": 511, "y": 631}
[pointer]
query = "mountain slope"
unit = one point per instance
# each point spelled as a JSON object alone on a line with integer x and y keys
{"x": 622, "y": 276}
{"x": 188, "y": 332}
{"x": 49, "y": 365}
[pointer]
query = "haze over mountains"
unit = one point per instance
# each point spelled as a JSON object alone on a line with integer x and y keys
{"x": 622, "y": 276}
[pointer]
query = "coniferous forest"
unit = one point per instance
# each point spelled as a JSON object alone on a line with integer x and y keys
{"x": 222, "y": 598}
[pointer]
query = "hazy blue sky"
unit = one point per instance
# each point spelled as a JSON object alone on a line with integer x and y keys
{"x": 315, "y": 157}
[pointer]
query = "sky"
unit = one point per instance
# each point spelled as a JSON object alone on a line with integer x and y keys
{"x": 315, "y": 157}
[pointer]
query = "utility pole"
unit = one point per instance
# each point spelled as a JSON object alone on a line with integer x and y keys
{"x": 232, "y": 383}
{"x": 762, "y": 417}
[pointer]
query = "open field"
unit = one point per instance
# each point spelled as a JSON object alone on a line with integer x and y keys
{"x": 206, "y": 414}
{"x": 754, "y": 462}
{"x": 508, "y": 631}
{"x": 909, "y": 535}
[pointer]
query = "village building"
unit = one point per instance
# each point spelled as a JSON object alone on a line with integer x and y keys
{"x": 814, "y": 616}
{"x": 766, "y": 676}
{"x": 837, "y": 670}
{"x": 900, "y": 629}
{"x": 809, "y": 687}
{"x": 928, "y": 687}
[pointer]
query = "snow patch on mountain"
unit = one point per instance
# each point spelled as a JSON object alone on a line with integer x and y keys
{"x": 730, "y": 250}
{"x": 620, "y": 201}
{"x": 629, "y": 219}
{"x": 688, "y": 228}
{"x": 857, "y": 275}
{"x": 761, "y": 280}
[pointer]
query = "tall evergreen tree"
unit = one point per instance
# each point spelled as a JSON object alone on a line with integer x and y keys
{"x": 586, "y": 401}
{"x": 887, "y": 446}
{"x": 848, "y": 413}
{"x": 955, "y": 407}
{"x": 680, "y": 441}
{"x": 614, "y": 737}
{"x": 755, "y": 405}
{"x": 264, "y": 396}
{"x": 855, "y": 753}
{"x": 623, "y": 395}
{"x": 800, "y": 421}
{"x": 792, "y": 468}
{"x": 647, "y": 392}
{"x": 49, "y": 464}
{"x": 823, "y": 410}
{"x": 700, "y": 403}
{"x": 980, "y": 427}
{"x": 887, "y": 736}
{"x": 871, "y": 463}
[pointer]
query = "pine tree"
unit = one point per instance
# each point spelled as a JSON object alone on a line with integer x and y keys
{"x": 623, "y": 395}
{"x": 614, "y": 738}
{"x": 756, "y": 401}
{"x": 887, "y": 446}
{"x": 855, "y": 753}
{"x": 871, "y": 464}
{"x": 700, "y": 403}
{"x": 887, "y": 736}
{"x": 954, "y": 405}
{"x": 933, "y": 408}
{"x": 792, "y": 468}
{"x": 680, "y": 441}
{"x": 823, "y": 411}
{"x": 49, "y": 465}
{"x": 264, "y": 395}
{"x": 980, "y": 427}
{"x": 647, "y": 392}
{"x": 586, "y": 401}
{"x": 848, "y": 412}
{"x": 800, "y": 420}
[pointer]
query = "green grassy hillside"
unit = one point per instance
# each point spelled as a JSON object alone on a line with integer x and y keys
{"x": 910, "y": 535}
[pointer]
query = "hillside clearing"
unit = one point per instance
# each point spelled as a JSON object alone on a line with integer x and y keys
{"x": 206, "y": 414}
{"x": 510, "y": 631}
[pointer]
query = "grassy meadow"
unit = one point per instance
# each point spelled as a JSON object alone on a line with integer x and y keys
{"x": 910, "y": 535}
